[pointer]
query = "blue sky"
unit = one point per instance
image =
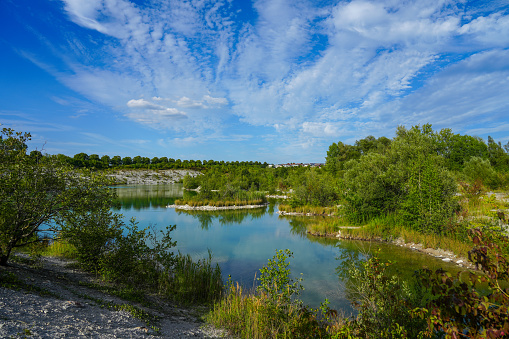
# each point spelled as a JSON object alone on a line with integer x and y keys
{"x": 269, "y": 80}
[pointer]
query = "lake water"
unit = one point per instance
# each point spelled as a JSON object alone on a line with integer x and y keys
{"x": 242, "y": 241}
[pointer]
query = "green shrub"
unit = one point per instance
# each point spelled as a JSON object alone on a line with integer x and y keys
{"x": 193, "y": 282}
{"x": 92, "y": 234}
{"x": 140, "y": 257}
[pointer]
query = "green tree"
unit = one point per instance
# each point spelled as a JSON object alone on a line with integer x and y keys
{"x": 410, "y": 178}
{"x": 34, "y": 193}
{"x": 338, "y": 154}
{"x": 137, "y": 159}
{"x": 498, "y": 157}
{"x": 127, "y": 160}
{"x": 480, "y": 169}
{"x": 116, "y": 160}
{"x": 80, "y": 160}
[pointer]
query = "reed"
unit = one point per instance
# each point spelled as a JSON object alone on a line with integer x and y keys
{"x": 254, "y": 315}
{"x": 193, "y": 281}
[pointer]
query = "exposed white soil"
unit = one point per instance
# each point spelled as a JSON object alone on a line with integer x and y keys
{"x": 76, "y": 311}
{"x": 150, "y": 177}
{"x": 214, "y": 208}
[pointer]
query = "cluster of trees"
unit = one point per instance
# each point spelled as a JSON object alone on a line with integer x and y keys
{"x": 37, "y": 193}
{"x": 414, "y": 176}
{"x": 94, "y": 161}
{"x": 456, "y": 150}
{"x": 44, "y": 198}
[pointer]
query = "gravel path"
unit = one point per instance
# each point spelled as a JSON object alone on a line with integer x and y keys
{"x": 70, "y": 309}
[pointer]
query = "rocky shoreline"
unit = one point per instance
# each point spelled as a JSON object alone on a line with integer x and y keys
{"x": 59, "y": 301}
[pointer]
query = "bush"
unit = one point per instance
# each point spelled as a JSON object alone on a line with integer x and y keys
{"x": 383, "y": 301}
{"x": 92, "y": 234}
{"x": 139, "y": 258}
{"x": 478, "y": 169}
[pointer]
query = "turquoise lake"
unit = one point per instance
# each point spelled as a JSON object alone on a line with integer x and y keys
{"x": 242, "y": 241}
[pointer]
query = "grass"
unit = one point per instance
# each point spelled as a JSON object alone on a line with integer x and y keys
{"x": 189, "y": 281}
{"x": 307, "y": 209}
{"x": 478, "y": 211}
{"x": 193, "y": 281}
{"x": 252, "y": 314}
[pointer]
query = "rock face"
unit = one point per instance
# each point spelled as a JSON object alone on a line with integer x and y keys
{"x": 150, "y": 177}
{"x": 68, "y": 308}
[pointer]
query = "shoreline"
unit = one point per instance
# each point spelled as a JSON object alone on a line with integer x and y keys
{"x": 214, "y": 208}
{"x": 444, "y": 255}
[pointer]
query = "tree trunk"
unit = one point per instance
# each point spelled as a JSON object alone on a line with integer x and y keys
{"x": 4, "y": 257}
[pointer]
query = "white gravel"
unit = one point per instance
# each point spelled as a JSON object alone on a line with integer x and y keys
{"x": 74, "y": 310}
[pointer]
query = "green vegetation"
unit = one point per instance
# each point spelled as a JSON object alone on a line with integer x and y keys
{"x": 233, "y": 193}
{"x": 424, "y": 186}
{"x": 273, "y": 310}
{"x": 48, "y": 207}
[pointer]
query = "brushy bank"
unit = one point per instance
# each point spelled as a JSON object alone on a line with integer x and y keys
{"x": 431, "y": 305}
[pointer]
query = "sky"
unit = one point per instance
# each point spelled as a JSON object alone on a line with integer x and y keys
{"x": 237, "y": 80}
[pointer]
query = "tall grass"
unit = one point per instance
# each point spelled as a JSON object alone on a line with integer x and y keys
{"x": 391, "y": 227}
{"x": 59, "y": 248}
{"x": 254, "y": 315}
{"x": 193, "y": 282}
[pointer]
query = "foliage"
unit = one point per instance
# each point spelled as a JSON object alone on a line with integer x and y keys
{"x": 458, "y": 309}
{"x": 194, "y": 281}
{"x": 382, "y": 300}
{"x": 275, "y": 279}
{"x": 92, "y": 234}
{"x": 478, "y": 169}
{"x": 409, "y": 178}
{"x": 35, "y": 191}
{"x": 315, "y": 189}
{"x": 142, "y": 257}
{"x": 272, "y": 312}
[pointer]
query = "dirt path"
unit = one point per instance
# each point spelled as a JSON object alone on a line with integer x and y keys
{"x": 59, "y": 303}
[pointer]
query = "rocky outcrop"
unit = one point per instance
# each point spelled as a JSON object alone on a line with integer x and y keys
{"x": 150, "y": 177}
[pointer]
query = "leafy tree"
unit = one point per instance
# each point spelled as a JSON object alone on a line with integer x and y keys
{"x": 106, "y": 160}
{"x": 127, "y": 160}
{"x": 80, "y": 160}
{"x": 116, "y": 160}
{"x": 338, "y": 154}
{"x": 137, "y": 159}
{"x": 480, "y": 169}
{"x": 458, "y": 149}
{"x": 498, "y": 157}
{"x": 410, "y": 178}
{"x": 36, "y": 192}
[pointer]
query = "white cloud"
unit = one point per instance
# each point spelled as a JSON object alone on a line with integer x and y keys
{"x": 215, "y": 101}
{"x": 492, "y": 30}
{"x": 188, "y": 103}
{"x": 312, "y": 70}
{"x": 142, "y": 103}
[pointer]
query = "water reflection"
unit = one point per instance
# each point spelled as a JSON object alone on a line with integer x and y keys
{"x": 224, "y": 217}
{"x": 140, "y": 197}
{"x": 243, "y": 240}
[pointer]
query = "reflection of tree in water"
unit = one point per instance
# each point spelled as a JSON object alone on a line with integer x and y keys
{"x": 146, "y": 196}
{"x": 140, "y": 203}
{"x": 224, "y": 217}
{"x": 299, "y": 225}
